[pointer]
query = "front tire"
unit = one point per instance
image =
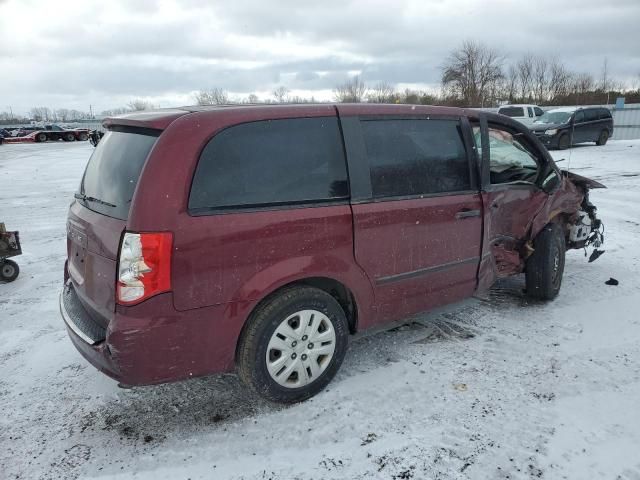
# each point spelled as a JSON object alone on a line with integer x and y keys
{"x": 602, "y": 139}
{"x": 41, "y": 137}
{"x": 9, "y": 271}
{"x": 293, "y": 344}
{"x": 545, "y": 266}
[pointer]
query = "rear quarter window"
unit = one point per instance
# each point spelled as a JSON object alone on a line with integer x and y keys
{"x": 512, "y": 111}
{"x": 271, "y": 163}
{"x": 113, "y": 171}
{"x": 591, "y": 115}
{"x": 605, "y": 113}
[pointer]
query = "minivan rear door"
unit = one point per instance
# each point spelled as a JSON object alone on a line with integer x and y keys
{"x": 416, "y": 209}
{"x": 99, "y": 214}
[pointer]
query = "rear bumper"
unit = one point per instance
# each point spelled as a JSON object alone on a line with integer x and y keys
{"x": 153, "y": 343}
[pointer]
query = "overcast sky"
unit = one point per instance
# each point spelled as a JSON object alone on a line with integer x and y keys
{"x": 105, "y": 53}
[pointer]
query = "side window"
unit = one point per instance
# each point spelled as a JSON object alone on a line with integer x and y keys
{"x": 530, "y": 110}
{"x": 579, "y": 118}
{"x": 591, "y": 115}
{"x": 415, "y": 157}
{"x": 512, "y": 111}
{"x": 605, "y": 113}
{"x": 539, "y": 111}
{"x": 270, "y": 163}
{"x": 510, "y": 160}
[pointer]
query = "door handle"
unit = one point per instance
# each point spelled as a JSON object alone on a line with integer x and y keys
{"x": 466, "y": 213}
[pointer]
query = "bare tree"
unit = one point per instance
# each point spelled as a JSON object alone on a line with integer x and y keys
{"x": 281, "y": 94}
{"x": 559, "y": 79}
{"x": 41, "y": 114}
{"x": 472, "y": 73}
{"x": 382, "y": 92}
{"x": 114, "y": 111}
{"x": 215, "y": 96}
{"x": 253, "y": 98}
{"x": 540, "y": 78}
{"x": 137, "y": 105}
{"x": 525, "y": 76}
{"x": 511, "y": 84}
{"x": 351, "y": 91}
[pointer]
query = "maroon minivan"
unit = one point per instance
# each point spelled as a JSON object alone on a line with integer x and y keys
{"x": 257, "y": 238}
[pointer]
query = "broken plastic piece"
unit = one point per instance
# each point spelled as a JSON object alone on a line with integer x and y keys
{"x": 595, "y": 255}
{"x": 611, "y": 281}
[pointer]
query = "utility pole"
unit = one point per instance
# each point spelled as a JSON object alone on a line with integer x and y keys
{"x": 11, "y": 112}
{"x": 605, "y": 80}
{"x": 90, "y": 112}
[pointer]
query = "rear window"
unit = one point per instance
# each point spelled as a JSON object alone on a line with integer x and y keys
{"x": 512, "y": 111}
{"x": 271, "y": 163}
{"x": 113, "y": 170}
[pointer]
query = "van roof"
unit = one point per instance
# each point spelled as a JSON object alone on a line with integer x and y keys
{"x": 161, "y": 118}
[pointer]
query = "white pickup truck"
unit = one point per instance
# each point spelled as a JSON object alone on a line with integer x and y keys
{"x": 524, "y": 113}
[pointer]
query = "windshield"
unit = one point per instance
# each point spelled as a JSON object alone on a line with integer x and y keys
{"x": 554, "y": 117}
{"x": 112, "y": 173}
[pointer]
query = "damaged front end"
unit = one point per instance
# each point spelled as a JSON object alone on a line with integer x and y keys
{"x": 585, "y": 229}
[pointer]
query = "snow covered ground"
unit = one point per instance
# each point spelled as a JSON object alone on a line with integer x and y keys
{"x": 501, "y": 388}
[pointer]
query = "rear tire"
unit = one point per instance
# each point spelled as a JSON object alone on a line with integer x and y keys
{"x": 9, "y": 271}
{"x": 544, "y": 268}
{"x": 41, "y": 137}
{"x": 563, "y": 142}
{"x": 602, "y": 139}
{"x": 69, "y": 137}
{"x": 293, "y": 344}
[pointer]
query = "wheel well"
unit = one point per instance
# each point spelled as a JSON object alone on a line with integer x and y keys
{"x": 334, "y": 288}
{"x": 338, "y": 291}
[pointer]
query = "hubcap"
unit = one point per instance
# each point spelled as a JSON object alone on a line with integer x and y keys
{"x": 301, "y": 348}
{"x": 7, "y": 270}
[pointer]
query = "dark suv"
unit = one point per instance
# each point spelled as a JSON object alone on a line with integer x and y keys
{"x": 562, "y": 127}
{"x": 257, "y": 238}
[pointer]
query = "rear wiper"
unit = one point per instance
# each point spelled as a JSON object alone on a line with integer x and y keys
{"x": 82, "y": 196}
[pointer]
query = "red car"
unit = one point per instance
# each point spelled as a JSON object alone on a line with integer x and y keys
{"x": 258, "y": 238}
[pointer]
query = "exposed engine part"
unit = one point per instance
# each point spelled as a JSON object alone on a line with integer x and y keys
{"x": 580, "y": 230}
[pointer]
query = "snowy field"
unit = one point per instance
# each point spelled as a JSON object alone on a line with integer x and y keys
{"x": 501, "y": 388}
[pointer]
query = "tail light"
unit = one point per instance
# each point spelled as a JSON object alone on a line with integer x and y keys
{"x": 144, "y": 266}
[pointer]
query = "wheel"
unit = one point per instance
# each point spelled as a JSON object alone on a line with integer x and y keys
{"x": 9, "y": 271}
{"x": 41, "y": 137}
{"x": 602, "y": 139}
{"x": 563, "y": 142}
{"x": 69, "y": 137}
{"x": 83, "y": 137}
{"x": 544, "y": 268}
{"x": 293, "y": 344}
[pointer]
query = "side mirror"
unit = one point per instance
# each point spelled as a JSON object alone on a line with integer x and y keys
{"x": 551, "y": 183}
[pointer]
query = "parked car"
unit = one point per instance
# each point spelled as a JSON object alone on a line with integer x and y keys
{"x": 56, "y": 132}
{"x": 524, "y": 113}
{"x": 562, "y": 127}
{"x": 257, "y": 238}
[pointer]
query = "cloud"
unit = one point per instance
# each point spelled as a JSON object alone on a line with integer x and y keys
{"x": 104, "y": 52}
